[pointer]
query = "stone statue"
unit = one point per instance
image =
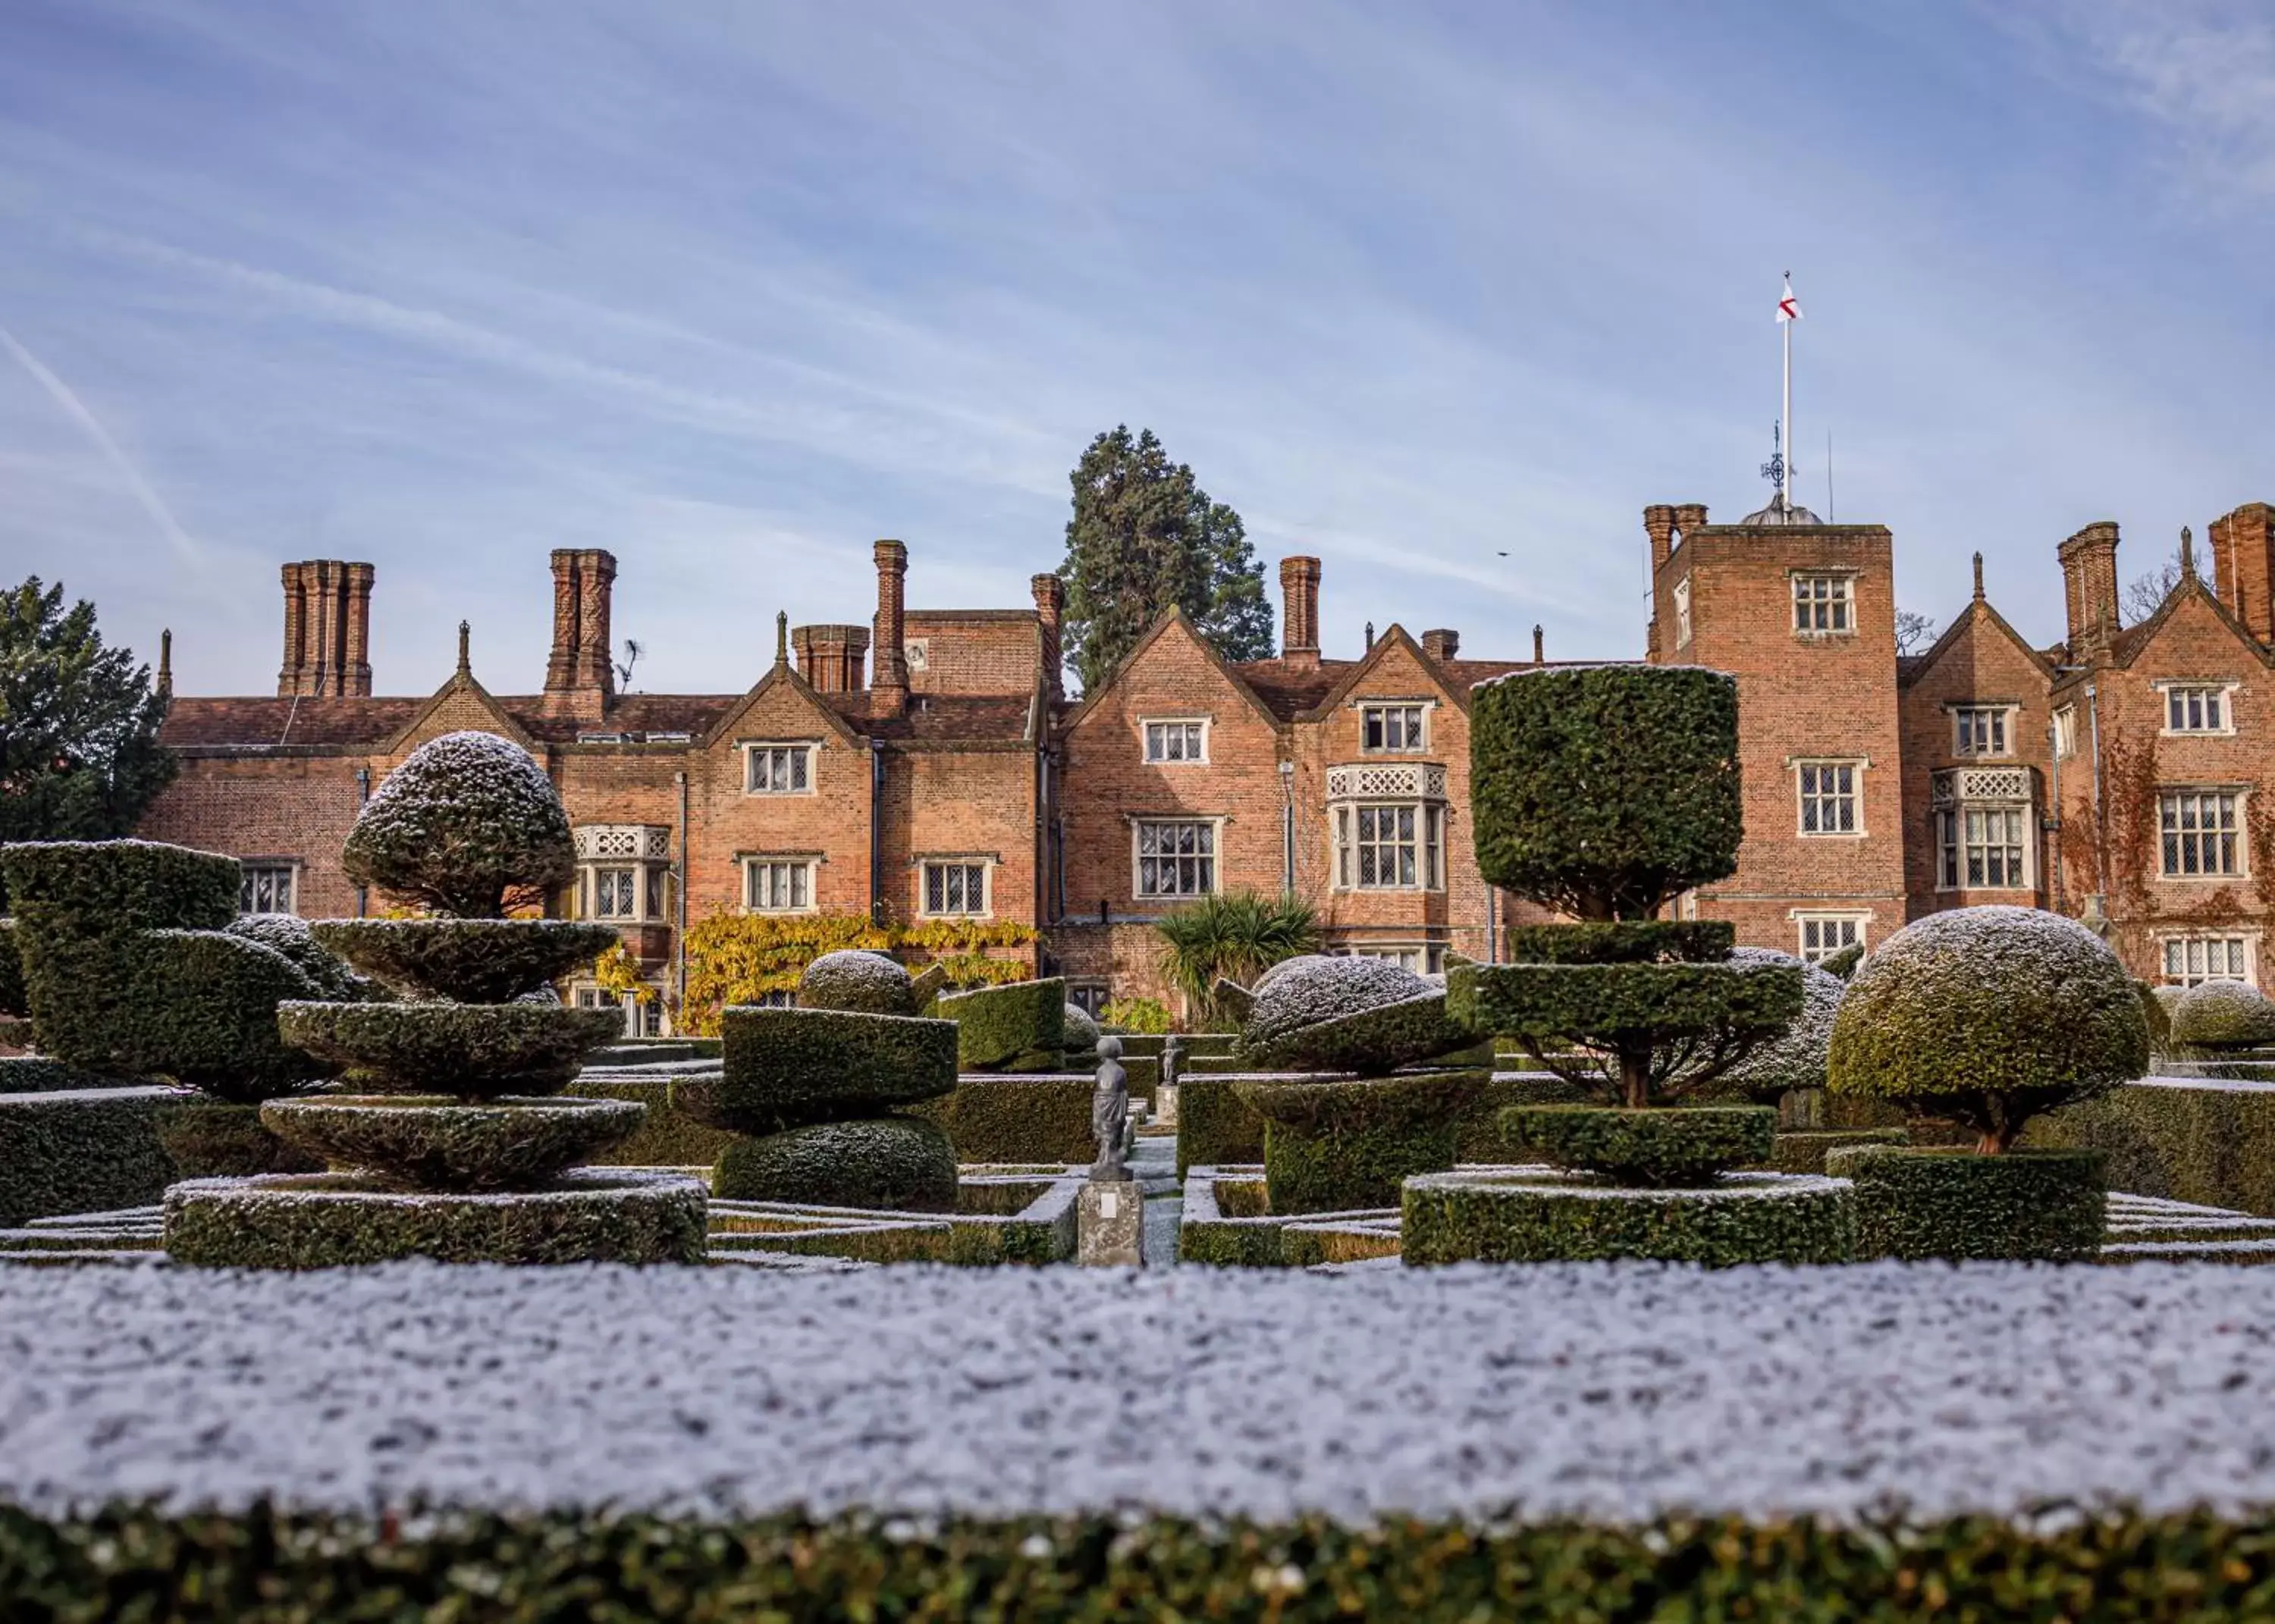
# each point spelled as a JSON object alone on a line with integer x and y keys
{"x": 1173, "y": 1059}
{"x": 1109, "y": 1114}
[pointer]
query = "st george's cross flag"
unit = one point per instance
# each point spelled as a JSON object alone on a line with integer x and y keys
{"x": 1789, "y": 309}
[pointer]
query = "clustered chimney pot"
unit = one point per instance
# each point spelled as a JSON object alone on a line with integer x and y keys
{"x": 832, "y": 659}
{"x": 1442, "y": 643}
{"x": 582, "y": 664}
{"x": 326, "y": 630}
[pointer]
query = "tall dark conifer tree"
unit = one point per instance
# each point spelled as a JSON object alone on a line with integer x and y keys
{"x": 1144, "y": 537}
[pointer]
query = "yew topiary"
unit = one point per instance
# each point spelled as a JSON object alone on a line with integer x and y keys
{"x": 1601, "y": 791}
{"x": 2223, "y": 1015}
{"x": 467, "y": 819}
{"x": 1987, "y": 1016}
{"x": 858, "y": 980}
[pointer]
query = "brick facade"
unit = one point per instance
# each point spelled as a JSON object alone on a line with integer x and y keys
{"x": 942, "y": 736}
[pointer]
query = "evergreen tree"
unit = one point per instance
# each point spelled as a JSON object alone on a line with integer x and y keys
{"x": 80, "y": 756}
{"x": 1145, "y": 537}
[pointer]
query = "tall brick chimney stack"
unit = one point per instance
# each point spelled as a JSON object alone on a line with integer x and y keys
{"x": 2089, "y": 565}
{"x": 1050, "y": 609}
{"x": 833, "y": 658}
{"x": 2243, "y": 566}
{"x": 1658, "y": 524}
{"x": 1299, "y": 617}
{"x": 889, "y": 681}
{"x": 326, "y": 630}
{"x": 1443, "y": 643}
{"x": 582, "y": 664}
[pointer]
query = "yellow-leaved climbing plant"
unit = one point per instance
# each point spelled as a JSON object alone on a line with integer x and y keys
{"x": 619, "y": 972}
{"x": 738, "y": 958}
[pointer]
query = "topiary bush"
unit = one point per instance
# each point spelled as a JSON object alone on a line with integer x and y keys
{"x": 789, "y": 1067}
{"x": 1986, "y": 1017}
{"x": 2046, "y": 1205}
{"x": 1543, "y": 746}
{"x": 84, "y": 1150}
{"x": 1340, "y": 1146}
{"x": 2223, "y": 1015}
{"x": 12, "y": 999}
{"x": 858, "y": 980}
{"x": 1346, "y": 1014}
{"x": 1017, "y": 1027}
{"x": 1082, "y": 1036}
{"x": 291, "y": 936}
{"x": 900, "y": 1164}
{"x": 465, "y": 961}
{"x": 466, "y": 818}
{"x": 1652, "y": 1149}
{"x": 1503, "y": 1217}
{"x": 1796, "y": 1058}
{"x": 1016, "y": 1119}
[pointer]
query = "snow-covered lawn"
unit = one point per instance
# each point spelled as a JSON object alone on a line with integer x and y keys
{"x": 1609, "y": 1390}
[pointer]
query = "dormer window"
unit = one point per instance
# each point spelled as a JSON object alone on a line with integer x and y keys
{"x": 1394, "y": 728}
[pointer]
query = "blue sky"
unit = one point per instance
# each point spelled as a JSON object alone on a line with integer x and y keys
{"x": 733, "y": 289}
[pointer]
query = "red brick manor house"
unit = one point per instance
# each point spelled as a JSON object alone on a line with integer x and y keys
{"x": 928, "y": 764}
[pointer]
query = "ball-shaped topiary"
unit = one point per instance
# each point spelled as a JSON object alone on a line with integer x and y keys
{"x": 466, "y": 817}
{"x": 1307, "y": 991}
{"x": 1082, "y": 1034}
{"x": 1987, "y": 1016}
{"x": 857, "y": 979}
{"x": 1600, "y": 791}
{"x": 1797, "y": 1058}
{"x": 2223, "y": 1015}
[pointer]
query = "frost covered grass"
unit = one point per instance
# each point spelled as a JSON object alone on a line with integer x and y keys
{"x": 1615, "y": 1392}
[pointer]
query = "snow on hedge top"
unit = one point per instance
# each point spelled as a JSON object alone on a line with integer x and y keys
{"x": 1796, "y": 1059}
{"x": 287, "y": 934}
{"x": 858, "y": 979}
{"x": 1614, "y": 1391}
{"x": 2223, "y": 1015}
{"x": 1595, "y": 665}
{"x": 1318, "y": 988}
{"x": 1082, "y": 1034}
{"x": 1274, "y": 973}
{"x": 466, "y": 817}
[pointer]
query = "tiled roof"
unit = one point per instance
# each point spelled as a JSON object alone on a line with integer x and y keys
{"x": 1289, "y": 691}
{"x": 939, "y": 719}
{"x": 692, "y": 713}
{"x": 265, "y": 724}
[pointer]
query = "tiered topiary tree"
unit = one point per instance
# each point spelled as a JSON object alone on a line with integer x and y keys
{"x": 452, "y": 1147}
{"x": 1984, "y": 1017}
{"x": 817, "y": 1090}
{"x": 1604, "y": 793}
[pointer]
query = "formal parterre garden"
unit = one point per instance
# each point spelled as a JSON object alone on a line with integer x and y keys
{"x": 347, "y": 1274}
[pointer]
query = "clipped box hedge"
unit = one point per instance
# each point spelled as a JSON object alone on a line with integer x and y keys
{"x": 1215, "y": 1129}
{"x": 1655, "y": 1147}
{"x": 900, "y": 1164}
{"x": 39, "y": 1074}
{"x": 1540, "y": 1218}
{"x": 2199, "y": 1140}
{"x": 787, "y": 1068}
{"x": 665, "y": 1137}
{"x": 1017, "y": 1119}
{"x": 1337, "y": 1146}
{"x": 272, "y": 1566}
{"x": 1021, "y": 1026}
{"x": 84, "y": 1150}
{"x": 2036, "y": 1206}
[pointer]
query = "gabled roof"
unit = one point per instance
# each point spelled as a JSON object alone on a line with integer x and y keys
{"x": 1173, "y": 617}
{"x": 1393, "y": 638}
{"x": 779, "y": 673}
{"x": 1910, "y": 668}
{"x": 462, "y": 684}
{"x": 2127, "y": 645}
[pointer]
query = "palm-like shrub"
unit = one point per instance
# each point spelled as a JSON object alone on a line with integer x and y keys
{"x": 1235, "y": 936}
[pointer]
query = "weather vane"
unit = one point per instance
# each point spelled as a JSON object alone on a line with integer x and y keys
{"x": 1774, "y": 470}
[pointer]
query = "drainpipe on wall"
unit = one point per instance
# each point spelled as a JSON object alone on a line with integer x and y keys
{"x": 1287, "y": 829}
{"x": 1492, "y": 924}
{"x": 363, "y": 797}
{"x": 2054, "y": 793}
{"x": 679, "y": 935}
{"x": 877, "y": 832}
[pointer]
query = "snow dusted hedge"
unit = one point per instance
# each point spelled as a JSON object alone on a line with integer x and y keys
{"x": 2034, "y": 1205}
{"x": 787, "y": 1068}
{"x": 1215, "y": 1129}
{"x": 1661, "y": 1147}
{"x": 1334, "y": 1146}
{"x": 211, "y": 1139}
{"x": 1016, "y": 1119}
{"x": 1624, "y": 941}
{"x": 858, "y": 980}
{"x": 2199, "y": 1140}
{"x": 1017, "y": 1027}
{"x": 1805, "y": 1150}
{"x": 467, "y": 961}
{"x": 86, "y": 1151}
{"x": 1540, "y": 1217}
{"x": 1796, "y": 1059}
{"x": 901, "y": 1164}
{"x": 2222, "y": 1014}
{"x": 1555, "y": 1005}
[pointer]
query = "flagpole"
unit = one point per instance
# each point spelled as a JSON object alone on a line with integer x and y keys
{"x": 1785, "y": 419}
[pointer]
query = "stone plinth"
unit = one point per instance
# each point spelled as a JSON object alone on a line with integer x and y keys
{"x": 1113, "y": 1224}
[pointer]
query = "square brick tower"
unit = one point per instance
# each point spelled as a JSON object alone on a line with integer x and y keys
{"x": 1802, "y": 612}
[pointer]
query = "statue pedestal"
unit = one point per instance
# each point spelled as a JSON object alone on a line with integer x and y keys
{"x": 1164, "y": 1104}
{"x": 1113, "y": 1224}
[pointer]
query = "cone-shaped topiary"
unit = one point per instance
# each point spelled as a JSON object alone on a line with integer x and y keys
{"x": 466, "y": 818}
{"x": 1987, "y": 1016}
{"x": 1601, "y": 791}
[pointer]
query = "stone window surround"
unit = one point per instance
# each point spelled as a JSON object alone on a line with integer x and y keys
{"x": 643, "y": 848}
{"x": 812, "y": 861}
{"x": 2012, "y": 710}
{"x": 1861, "y": 764}
{"x": 2065, "y": 732}
{"x": 1381, "y": 702}
{"x": 2225, "y": 687}
{"x": 751, "y": 749}
{"x": 2165, "y": 941}
{"x": 1947, "y": 852}
{"x": 986, "y": 862}
{"x": 1147, "y": 724}
{"x": 1432, "y": 821}
{"x": 1216, "y": 822}
{"x": 1860, "y": 918}
{"x": 1847, "y": 576}
{"x": 289, "y": 868}
{"x": 2243, "y": 833}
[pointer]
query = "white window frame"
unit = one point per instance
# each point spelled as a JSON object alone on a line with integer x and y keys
{"x": 986, "y": 870}
{"x": 1193, "y": 733}
{"x": 2202, "y": 699}
{"x": 1423, "y": 958}
{"x": 2173, "y": 834}
{"x": 1418, "y": 710}
{"x": 1682, "y": 612}
{"x": 1837, "y": 603}
{"x": 1955, "y": 844}
{"x": 1831, "y": 926}
{"x": 1345, "y": 822}
{"x": 2066, "y": 733}
{"x": 1997, "y": 720}
{"x": 599, "y": 875}
{"x": 758, "y": 750}
{"x": 642, "y": 1019}
{"x": 255, "y": 873}
{"x": 2237, "y": 953}
{"x": 1213, "y": 857}
{"x": 1803, "y": 794}
{"x": 753, "y": 862}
